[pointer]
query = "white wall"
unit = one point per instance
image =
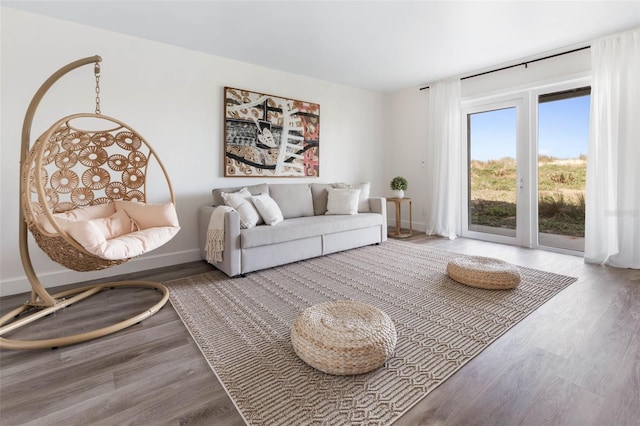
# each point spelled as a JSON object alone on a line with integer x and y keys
{"x": 406, "y": 111}
{"x": 406, "y": 149}
{"x": 173, "y": 97}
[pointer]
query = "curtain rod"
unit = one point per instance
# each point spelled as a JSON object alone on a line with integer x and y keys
{"x": 526, "y": 63}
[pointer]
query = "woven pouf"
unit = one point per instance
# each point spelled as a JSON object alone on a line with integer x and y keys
{"x": 484, "y": 272}
{"x": 343, "y": 337}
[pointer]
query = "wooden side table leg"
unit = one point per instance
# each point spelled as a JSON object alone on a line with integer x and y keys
{"x": 410, "y": 217}
{"x": 397, "y": 219}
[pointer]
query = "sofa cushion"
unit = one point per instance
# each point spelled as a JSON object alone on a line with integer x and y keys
{"x": 342, "y": 201}
{"x": 304, "y": 227}
{"x": 294, "y": 199}
{"x": 319, "y": 193}
{"x": 261, "y": 188}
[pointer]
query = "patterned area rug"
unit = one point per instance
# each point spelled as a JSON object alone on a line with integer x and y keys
{"x": 242, "y": 326}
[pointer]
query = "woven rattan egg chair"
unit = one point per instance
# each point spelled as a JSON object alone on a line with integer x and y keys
{"x": 71, "y": 180}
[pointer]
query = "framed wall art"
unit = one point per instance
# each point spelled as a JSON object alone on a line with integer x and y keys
{"x": 270, "y": 136}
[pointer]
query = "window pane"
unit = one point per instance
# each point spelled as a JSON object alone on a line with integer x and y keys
{"x": 492, "y": 170}
{"x": 563, "y": 137}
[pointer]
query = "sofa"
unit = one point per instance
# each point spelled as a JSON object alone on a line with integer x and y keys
{"x": 310, "y": 225}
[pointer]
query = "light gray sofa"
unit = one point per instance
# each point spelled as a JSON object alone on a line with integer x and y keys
{"x": 304, "y": 233}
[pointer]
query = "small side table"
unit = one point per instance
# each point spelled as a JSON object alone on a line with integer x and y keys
{"x": 398, "y": 202}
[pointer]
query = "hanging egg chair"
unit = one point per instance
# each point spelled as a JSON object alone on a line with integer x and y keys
{"x": 83, "y": 197}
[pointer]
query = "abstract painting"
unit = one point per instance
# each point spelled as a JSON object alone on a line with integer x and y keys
{"x": 270, "y": 136}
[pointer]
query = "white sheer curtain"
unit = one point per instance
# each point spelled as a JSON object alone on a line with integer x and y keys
{"x": 612, "y": 230}
{"x": 443, "y": 139}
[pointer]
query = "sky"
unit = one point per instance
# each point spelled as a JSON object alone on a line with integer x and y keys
{"x": 563, "y": 130}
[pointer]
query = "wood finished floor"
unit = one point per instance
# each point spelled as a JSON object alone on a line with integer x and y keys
{"x": 574, "y": 361}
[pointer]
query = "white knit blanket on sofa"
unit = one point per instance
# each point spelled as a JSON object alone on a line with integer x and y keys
{"x": 215, "y": 234}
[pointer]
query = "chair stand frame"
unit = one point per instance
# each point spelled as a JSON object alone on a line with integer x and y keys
{"x": 77, "y": 295}
{"x": 41, "y": 301}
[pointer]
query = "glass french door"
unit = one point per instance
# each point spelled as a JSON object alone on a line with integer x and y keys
{"x": 563, "y": 135}
{"x": 525, "y": 168}
{"x": 496, "y": 205}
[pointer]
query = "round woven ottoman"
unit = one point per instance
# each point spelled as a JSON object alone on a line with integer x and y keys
{"x": 343, "y": 337}
{"x": 484, "y": 272}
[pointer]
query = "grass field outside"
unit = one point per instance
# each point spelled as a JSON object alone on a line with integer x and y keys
{"x": 561, "y": 194}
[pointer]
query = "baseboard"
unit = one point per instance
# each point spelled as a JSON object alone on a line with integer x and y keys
{"x": 65, "y": 276}
{"x": 404, "y": 224}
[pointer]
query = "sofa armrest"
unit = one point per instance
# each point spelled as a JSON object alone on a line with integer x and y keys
{"x": 231, "y": 259}
{"x": 379, "y": 205}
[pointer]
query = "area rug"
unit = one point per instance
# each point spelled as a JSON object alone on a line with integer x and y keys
{"x": 242, "y": 326}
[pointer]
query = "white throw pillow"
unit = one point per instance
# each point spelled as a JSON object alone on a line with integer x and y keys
{"x": 241, "y": 202}
{"x": 268, "y": 209}
{"x": 365, "y": 189}
{"x": 342, "y": 201}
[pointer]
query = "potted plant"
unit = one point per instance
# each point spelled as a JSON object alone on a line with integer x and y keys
{"x": 398, "y": 185}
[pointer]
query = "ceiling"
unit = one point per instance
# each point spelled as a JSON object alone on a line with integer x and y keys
{"x": 375, "y": 45}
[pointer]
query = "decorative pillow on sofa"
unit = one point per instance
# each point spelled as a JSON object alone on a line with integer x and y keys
{"x": 241, "y": 201}
{"x": 258, "y": 189}
{"x": 342, "y": 201}
{"x": 268, "y": 209}
{"x": 365, "y": 188}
